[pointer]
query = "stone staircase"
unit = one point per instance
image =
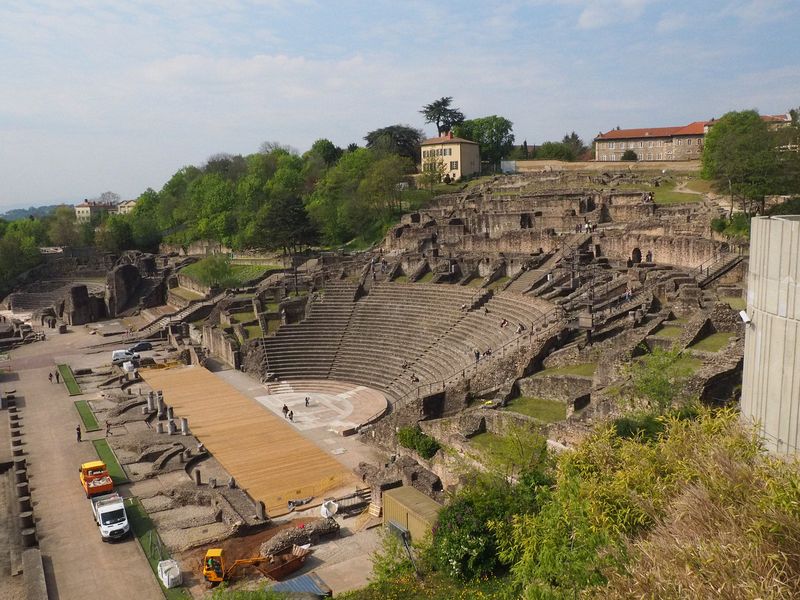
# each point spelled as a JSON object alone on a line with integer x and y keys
{"x": 532, "y": 278}
{"x": 178, "y": 315}
{"x": 717, "y": 269}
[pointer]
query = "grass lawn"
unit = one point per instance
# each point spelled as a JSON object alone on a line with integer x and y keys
{"x": 87, "y": 416}
{"x": 145, "y": 532}
{"x": 240, "y": 274}
{"x": 401, "y": 279}
{"x": 700, "y": 185}
{"x": 425, "y": 278}
{"x": 475, "y": 282}
{"x": 495, "y": 285}
{"x": 547, "y": 411}
{"x": 270, "y": 307}
{"x": 663, "y": 196}
{"x": 186, "y": 294}
{"x": 713, "y": 343}
{"x": 584, "y": 370}
{"x": 253, "y": 332}
{"x": 685, "y": 362}
{"x": 69, "y": 380}
{"x": 736, "y": 302}
{"x": 243, "y": 317}
{"x": 106, "y": 454}
{"x": 488, "y": 443}
{"x": 668, "y": 331}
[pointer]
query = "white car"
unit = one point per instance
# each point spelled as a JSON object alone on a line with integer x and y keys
{"x": 121, "y": 356}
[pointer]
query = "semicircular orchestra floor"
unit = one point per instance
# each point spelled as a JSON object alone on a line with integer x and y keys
{"x": 335, "y": 405}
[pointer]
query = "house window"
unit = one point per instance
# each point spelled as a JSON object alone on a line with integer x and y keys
{"x": 649, "y": 157}
{"x": 603, "y": 157}
{"x": 454, "y": 165}
{"x": 611, "y": 145}
{"x": 689, "y": 142}
{"x": 641, "y": 144}
{"x": 659, "y": 157}
{"x": 650, "y": 144}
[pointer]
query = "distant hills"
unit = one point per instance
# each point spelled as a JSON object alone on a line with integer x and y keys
{"x": 16, "y": 214}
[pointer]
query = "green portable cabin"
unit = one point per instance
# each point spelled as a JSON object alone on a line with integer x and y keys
{"x": 410, "y": 510}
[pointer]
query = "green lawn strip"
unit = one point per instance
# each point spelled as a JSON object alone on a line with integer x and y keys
{"x": 499, "y": 283}
{"x": 475, "y": 282}
{"x": 106, "y": 454}
{"x": 253, "y": 331}
{"x": 700, "y": 185}
{"x": 401, "y": 279}
{"x": 145, "y": 532}
{"x": 712, "y": 343}
{"x": 584, "y": 370}
{"x": 487, "y": 442}
{"x": 243, "y": 317}
{"x": 547, "y": 411}
{"x": 87, "y": 416}
{"x": 669, "y": 197}
{"x": 735, "y": 302}
{"x": 425, "y": 278}
{"x": 668, "y": 331}
{"x": 186, "y": 294}
{"x": 69, "y": 380}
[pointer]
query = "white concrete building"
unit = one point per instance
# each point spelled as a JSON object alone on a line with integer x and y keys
{"x": 771, "y": 380}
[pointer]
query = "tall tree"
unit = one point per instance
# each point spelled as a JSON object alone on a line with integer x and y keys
{"x": 741, "y": 153}
{"x": 442, "y": 115}
{"x": 402, "y": 140}
{"x": 556, "y": 151}
{"x": 326, "y": 150}
{"x": 574, "y": 141}
{"x": 285, "y": 224}
{"x": 493, "y": 134}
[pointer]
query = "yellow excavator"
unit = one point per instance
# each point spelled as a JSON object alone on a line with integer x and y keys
{"x": 273, "y": 567}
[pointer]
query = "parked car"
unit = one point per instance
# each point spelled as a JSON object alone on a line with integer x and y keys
{"x": 120, "y": 356}
{"x": 140, "y": 347}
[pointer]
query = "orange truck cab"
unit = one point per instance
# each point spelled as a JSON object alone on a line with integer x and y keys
{"x": 95, "y": 478}
{"x": 213, "y": 568}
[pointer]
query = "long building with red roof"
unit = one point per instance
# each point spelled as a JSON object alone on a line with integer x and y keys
{"x": 684, "y": 142}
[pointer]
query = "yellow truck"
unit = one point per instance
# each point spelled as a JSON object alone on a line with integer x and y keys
{"x": 95, "y": 478}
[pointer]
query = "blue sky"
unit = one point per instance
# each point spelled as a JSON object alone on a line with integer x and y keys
{"x": 98, "y": 96}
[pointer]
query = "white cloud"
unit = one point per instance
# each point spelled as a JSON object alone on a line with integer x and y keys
{"x": 670, "y": 22}
{"x": 602, "y": 13}
{"x": 757, "y": 12}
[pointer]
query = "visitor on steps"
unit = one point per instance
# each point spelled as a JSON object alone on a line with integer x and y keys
{"x": 285, "y": 410}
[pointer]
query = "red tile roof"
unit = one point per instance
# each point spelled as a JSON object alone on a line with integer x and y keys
{"x": 696, "y": 128}
{"x": 447, "y": 140}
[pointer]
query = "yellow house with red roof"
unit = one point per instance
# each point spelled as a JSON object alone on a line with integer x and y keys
{"x": 459, "y": 157}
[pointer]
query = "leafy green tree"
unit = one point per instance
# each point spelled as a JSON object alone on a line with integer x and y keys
{"x": 440, "y": 113}
{"x": 284, "y": 223}
{"x": 493, "y": 134}
{"x": 63, "y": 230}
{"x": 555, "y": 151}
{"x": 327, "y": 151}
{"x": 19, "y": 251}
{"x": 659, "y": 378}
{"x": 215, "y": 271}
{"x": 379, "y": 187}
{"x": 740, "y": 152}
{"x": 629, "y": 155}
{"x": 573, "y": 141}
{"x": 115, "y": 235}
{"x": 396, "y": 139}
{"x": 433, "y": 171}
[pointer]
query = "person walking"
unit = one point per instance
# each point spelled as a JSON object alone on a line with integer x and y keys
{"x": 291, "y": 416}
{"x": 306, "y": 401}
{"x": 57, "y": 376}
{"x": 50, "y": 377}
{"x": 108, "y": 428}
{"x": 78, "y": 431}
{"x": 285, "y": 410}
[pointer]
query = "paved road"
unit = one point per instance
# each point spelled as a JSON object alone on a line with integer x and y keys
{"x": 77, "y": 563}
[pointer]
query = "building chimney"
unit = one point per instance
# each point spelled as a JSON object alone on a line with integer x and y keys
{"x": 449, "y": 135}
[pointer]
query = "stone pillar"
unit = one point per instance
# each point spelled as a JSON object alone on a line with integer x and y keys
{"x": 17, "y": 451}
{"x": 25, "y": 519}
{"x": 151, "y": 401}
{"x": 160, "y": 427}
{"x": 171, "y": 429}
{"x": 232, "y": 483}
{"x": 187, "y": 454}
{"x": 144, "y": 410}
{"x": 197, "y": 479}
{"x": 29, "y": 537}
{"x": 20, "y": 463}
{"x": 24, "y": 504}
{"x": 184, "y": 426}
{"x": 20, "y": 476}
{"x": 23, "y": 489}
{"x": 162, "y": 408}
{"x": 212, "y": 482}
{"x": 170, "y": 413}
{"x": 261, "y": 511}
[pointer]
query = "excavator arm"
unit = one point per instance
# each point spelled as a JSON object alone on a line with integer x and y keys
{"x": 243, "y": 563}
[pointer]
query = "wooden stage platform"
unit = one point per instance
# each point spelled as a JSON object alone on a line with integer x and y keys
{"x": 263, "y": 452}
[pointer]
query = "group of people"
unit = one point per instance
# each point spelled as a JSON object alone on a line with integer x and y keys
{"x": 289, "y": 414}
{"x": 586, "y": 227}
{"x": 57, "y": 378}
{"x": 478, "y": 355}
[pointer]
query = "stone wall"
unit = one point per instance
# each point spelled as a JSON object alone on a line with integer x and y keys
{"x": 121, "y": 285}
{"x": 198, "y": 248}
{"x": 190, "y": 284}
{"x": 221, "y": 345}
{"x": 686, "y": 252}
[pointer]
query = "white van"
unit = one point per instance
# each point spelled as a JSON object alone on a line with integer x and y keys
{"x": 120, "y": 356}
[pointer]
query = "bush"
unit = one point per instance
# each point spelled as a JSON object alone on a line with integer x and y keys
{"x": 413, "y": 439}
{"x": 629, "y": 155}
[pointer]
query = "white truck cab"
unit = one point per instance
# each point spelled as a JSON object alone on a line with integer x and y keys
{"x": 122, "y": 356}
{"x": 110, "y": 516}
